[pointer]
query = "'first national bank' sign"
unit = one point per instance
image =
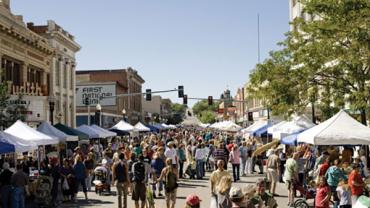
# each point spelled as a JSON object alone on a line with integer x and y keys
{"x": 97, "y": 93}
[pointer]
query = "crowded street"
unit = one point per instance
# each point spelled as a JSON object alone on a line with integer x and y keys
{"x": 185, "y": 104}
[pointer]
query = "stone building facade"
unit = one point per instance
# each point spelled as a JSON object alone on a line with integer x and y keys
{"x": 63, "y": 78}
{"x": 98, "y": 84}
{"x": 25, "y": 63}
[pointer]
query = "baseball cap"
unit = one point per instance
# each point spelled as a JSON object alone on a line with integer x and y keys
{"x": 193, "y": 200}
{"x": 236, "y": 193}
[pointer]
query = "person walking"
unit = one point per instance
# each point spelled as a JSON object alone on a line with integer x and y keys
{"x": 199, "y": 158}
{"x": 121, "y": 179}
{"x": 170, "y": 177}
{"x": 323, "y": 194}
{"x": 220, "y": 154}
{"x": 79, "y": 170}
{"x": 234, "y": 158}
{"x": 333, "y": 176}
{"x": 243, "y": 156}
{"x": 139, "y": 186}
{"x": 223, "y": 189}
{"x": 157, "y": 167}
{"x": 6, "y": 188}
{"x": 291, "y": 176}
{"x": 19, "y": 180}
{"x": 217, "y": 175}
{"x": 89, "y": 164}
{"x": 273, "y": 171}
{"x": 356, "y": 183}
{"x": 192, "y": 201}
{"x": 182, "y": 159}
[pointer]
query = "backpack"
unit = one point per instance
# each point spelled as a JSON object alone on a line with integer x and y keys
{"x": 120, "y": 170}
{"x": 171, "y": 181}
{"x": 139, "y": 172}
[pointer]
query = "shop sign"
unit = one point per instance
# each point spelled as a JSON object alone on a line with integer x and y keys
{"x": 104, "y": 94}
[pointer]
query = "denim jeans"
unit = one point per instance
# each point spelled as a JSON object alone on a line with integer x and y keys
{"x": 5, "y": 195}
{"x": 236, "y": 172}
{"x": 244, "y": 164}
{"x": 200, "y": 168}
{"x": 18, "y": 197}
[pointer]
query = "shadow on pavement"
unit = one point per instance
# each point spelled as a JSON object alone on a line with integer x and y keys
{"x": 85, "y": 203}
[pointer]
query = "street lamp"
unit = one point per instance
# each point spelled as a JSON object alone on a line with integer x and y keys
{"x": 97, "y": 114}
{"x": 51, "y": 108}
{"x": 124, "y": 114}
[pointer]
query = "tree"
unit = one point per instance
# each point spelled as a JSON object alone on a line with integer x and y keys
{"x": 325, "y": 59}
{"x": 204, "y": 112}
{"x": 10, "y": 112}
{"x": 177, "y": 113}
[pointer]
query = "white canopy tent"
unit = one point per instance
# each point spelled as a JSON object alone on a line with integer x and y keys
{"x": 106, "y": 133}
{"x": 229, "y": 126}
{"x": 254, "y": 127}
{"x": 204, "y": 125}
{"x": 93, "y": 133}
{"x": 123, "y": 126}
{"x": 19, "y": 144}
{"x": 341, "y": 129}
{"x": 141, "y": 127}
{"x": 50, "y": 130}
{"x": 298, "y": 124}
{"x": 21, "y": 130}
{"x": 275, "y": 127}
{"x": 172, "y": 126}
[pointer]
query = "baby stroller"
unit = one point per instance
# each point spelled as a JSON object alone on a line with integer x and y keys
{"x": 308, "y": 192}
{"x": 101, "y": 181}
{"x": 43, "y": 190}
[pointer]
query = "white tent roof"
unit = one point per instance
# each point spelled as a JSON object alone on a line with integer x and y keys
{"x": 106, "y": 133}
{"x": 275, "y": 127}
{"x": 141, "y": 127}
{"x": 123, "y": 126}
{"x": 255, "y": 126}
{"x": 229, "y": 126}
{"x": 298, "y": 124}
{"x": 21, "y": 130}
{"x": 172, "y": 126}
{"x": 50, "y": 130}
{"x": 19, "y": 144}
{"x": 93, "y": 133}
{"x": 341, "y": 129}
{"x": 204, "y": 125}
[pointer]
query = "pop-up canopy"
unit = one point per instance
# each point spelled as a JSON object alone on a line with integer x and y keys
{"x": 106, "y": 133}
{"x": 19, "y": 144}
{"x": 6, "y": 148}
{"x": 250, "y": 130}
{"x": 90, "y": 131}
{"x": 296, "y": 125}
{"x": 71, "y": 131}
{"x": 123, "y": 126}
{"x": 50, "y": 130}
{"x": 341, "y": 129}
{"x": 21, "y": 130}
{"x": 141, "y": 127}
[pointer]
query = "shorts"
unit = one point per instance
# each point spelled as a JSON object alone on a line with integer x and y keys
{"x": 139, "y": 191}
{"x": 289, "y": 184}
{"x": 272, "y": 175}
{"x": 171, "y": 196}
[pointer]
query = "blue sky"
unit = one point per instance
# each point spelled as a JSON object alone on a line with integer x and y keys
{"x": 205, "y": 45}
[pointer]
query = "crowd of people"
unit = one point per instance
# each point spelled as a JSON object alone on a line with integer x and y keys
{"x": 149, "y": 167}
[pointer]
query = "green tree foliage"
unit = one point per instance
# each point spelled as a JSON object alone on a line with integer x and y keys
{"x": 204, "y": 112}
{"x": 323, "y": 60}
{"x": 10, "y": 112}
{"x": 177, "y": 113}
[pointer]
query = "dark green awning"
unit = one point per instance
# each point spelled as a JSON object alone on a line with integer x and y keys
{"x": 71, "y": 131}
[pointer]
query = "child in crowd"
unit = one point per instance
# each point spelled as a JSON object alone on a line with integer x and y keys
{"x": 344, "y": 194}
{"x": 323, "y": 194}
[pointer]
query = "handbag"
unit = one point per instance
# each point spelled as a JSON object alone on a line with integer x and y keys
{"x": 65, "y": 185}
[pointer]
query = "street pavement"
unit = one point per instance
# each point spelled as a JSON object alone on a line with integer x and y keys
{"x": 186, "y": 187}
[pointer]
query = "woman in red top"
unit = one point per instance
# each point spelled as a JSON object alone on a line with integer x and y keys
{"x": 323, "y": 194}
{"x": 356, "y": 183}
{"x": 324, "y": 167}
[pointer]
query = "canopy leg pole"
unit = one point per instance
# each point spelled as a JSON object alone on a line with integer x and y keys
{"x": 38, "y": 159}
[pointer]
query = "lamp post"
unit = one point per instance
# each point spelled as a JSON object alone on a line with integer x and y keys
{"x": 51, "y": 108}
{"x": 124, "y": 114}
{"x": 98, "y": 114}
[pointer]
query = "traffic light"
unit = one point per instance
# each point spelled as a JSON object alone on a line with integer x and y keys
{"x": 185, "y": 99}
{"x": 181, "y": 91}
{"x": 210, "y": 100}
{"x": 148, "y": 95}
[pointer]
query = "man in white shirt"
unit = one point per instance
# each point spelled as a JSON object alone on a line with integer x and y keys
{"x": 172, "y": 154}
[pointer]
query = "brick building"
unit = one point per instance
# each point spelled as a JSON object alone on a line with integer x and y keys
{"x": 102, "y": 86}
